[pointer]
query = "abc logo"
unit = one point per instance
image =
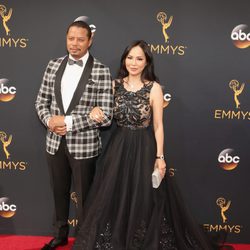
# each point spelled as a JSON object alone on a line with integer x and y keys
{"x": 93, "y": 28}
{"x": 7, "y": 90}
{"x": 240, "y": 37}
{"x": 227, "y": 160}
{"x": 7, "y": 210}
{"x": 86, "y": 19}
{"x": 6, "y": 93}
{"x": 6, "y": 207}
{"x": 166, "y": 99}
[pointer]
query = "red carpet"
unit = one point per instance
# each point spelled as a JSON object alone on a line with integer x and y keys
{"x": 15, "y": 242}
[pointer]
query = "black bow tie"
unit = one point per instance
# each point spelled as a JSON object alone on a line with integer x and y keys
{"x": 71, "y": 62}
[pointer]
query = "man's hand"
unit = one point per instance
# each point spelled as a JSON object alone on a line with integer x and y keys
{"x": 56, "y": 121}
{"x": 62, "y": 130}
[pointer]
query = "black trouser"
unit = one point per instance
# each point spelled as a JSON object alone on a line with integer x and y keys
{"x": 61, "y": 167}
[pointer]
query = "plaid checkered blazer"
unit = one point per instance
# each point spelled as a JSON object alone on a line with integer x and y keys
{"x": 94, "y": 89}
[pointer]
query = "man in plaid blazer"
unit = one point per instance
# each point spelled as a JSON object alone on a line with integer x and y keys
{"x": 75, "y": 99}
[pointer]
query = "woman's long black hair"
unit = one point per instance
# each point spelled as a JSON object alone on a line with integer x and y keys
{"x": 148, "y": 73}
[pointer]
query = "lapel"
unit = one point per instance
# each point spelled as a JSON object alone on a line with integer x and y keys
{"x": 58, "y": 79}
{"x": 82, "y": 84}
{"x": 80, "y": 87}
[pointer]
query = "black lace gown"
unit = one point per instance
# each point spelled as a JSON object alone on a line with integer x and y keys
{"x": 123, "y": 211}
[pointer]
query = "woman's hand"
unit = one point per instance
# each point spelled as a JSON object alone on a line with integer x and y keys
{"x": 161, "y": 165}
{"x": 96, "y": 114}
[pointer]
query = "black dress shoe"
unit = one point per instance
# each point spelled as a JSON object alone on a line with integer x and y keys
{"x": 54, "y": 243}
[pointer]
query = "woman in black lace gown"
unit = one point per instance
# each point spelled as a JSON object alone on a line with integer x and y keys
{"x": 124, "y": 211}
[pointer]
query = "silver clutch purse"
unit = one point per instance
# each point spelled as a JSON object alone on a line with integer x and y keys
{"x": 156, "y": 178}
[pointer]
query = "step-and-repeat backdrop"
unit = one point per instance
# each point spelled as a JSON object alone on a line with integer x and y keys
{"x": 201, "y": 51}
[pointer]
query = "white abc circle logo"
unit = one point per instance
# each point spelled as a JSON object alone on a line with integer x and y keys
{"x": 228, "y": 160}
{"x": 239, "y": 34}
{"x": 7, "y": 210}
{"x": 242, "y": 36}
{"x": 93, "y": 28}
{"x": 7, "y": 90}
{"x": 5, "y": 207}
{"x": 167, "y": 97}
{"x": 86, "y": 20}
